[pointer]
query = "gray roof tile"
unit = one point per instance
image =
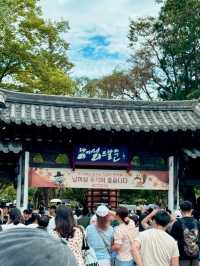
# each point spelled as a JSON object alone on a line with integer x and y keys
{"x": 7, "y": 147}
{"x": 193, "y": 152}
{"x": 100, "y": 113}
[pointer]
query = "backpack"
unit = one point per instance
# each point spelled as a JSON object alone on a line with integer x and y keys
{"x": 190, "y": 240}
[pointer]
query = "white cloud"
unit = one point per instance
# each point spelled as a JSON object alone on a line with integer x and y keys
{"x": 96, "y": 68}
{"x": 98, "y": 17}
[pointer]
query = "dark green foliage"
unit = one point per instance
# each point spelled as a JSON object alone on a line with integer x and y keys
{"x": 33, "y": 54}
{"x": 168, "y": 48}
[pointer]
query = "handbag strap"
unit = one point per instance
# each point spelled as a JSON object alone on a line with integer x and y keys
{"x": 104, "y": 241}
{"x": 85, "y": 245}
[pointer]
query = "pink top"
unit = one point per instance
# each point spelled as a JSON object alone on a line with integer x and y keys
{"x": 124, "y": 235}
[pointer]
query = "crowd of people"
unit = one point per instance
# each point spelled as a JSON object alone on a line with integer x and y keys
{"x": 146, "y": 237}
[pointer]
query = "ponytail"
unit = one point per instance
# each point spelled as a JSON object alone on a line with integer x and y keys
{"x": 122, "y": 212}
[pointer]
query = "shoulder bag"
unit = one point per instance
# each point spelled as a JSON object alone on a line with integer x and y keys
{"x": 106, "y": 246}
{"x": 88, "y": 253}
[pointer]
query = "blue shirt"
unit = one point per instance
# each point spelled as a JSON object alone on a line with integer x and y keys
{"x": 96, "y": 242}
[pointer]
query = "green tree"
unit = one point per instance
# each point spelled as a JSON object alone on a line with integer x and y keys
{"x": 119, "y": 84}
{"x": 38, "y": 195}
{"x": 167, "y": 47}
{"x": 33, "y": 52}
{"x": 143, "y": 197}
{"x": 4, "y": 13}
{"x": 8, "y": 193}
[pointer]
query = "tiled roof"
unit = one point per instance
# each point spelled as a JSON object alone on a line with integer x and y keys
{"x": 70, "y": 112}
{"x": 192, "y": 152}
{"x": 7, "y": 147}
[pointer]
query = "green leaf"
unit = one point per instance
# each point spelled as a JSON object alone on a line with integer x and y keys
{"x": 33, "y": 51}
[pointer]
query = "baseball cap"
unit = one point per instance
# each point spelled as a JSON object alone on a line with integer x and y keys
{"x": 102, "y": 211}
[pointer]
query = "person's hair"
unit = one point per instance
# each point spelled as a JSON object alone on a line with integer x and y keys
{"x": 149, "y": 211}
{"x": 85, "y": 211}
{"x": 27, "y": 212}
{"x": 15, "y": 216}
{"x": 162, "y": 218}
{"x": 53, "y": 207}
{"x": 168, "y": 211}
{"x": 138, "y": 212}
{"x": 43, "y": 221}
{"x": 186, "y": 206}
{"x": 34, "y": 217}
{"x": 65, "y": 222}
{"x": 135, "y": 218}
{"x": 123, "y": 213}
{"x": 78, "y": 211}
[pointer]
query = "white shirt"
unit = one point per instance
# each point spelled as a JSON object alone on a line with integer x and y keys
{"x": 157, "y": 247}
{"x": 11, "y": 226}
{"x": 32, "y": 225}
{"x": 51, "y": 226}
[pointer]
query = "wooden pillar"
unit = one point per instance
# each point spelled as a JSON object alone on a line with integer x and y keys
{"x": 171, "y": 184}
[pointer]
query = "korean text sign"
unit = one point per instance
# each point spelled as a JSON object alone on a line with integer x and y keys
{"x": 96, "y": 178}
{"x": 101, "y": 155}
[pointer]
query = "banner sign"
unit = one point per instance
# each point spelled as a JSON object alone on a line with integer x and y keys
{"x": 101, "y": 179}
{"x": 100, "y": 155}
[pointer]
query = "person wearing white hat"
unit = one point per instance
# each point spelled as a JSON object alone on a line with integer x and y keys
{"x": 100, "y": 236}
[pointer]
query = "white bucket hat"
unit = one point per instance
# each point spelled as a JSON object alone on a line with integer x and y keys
{"x": 102, "y": 211}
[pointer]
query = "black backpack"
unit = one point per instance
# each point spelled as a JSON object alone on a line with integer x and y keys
{"x": 190, "y": 239}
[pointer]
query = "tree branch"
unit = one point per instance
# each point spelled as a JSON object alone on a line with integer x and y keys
{"x": 159, "y": 60}
{"x": 145, "y": 90}
{"x": 130, "y": 96}
{"x": 3, "y": 74}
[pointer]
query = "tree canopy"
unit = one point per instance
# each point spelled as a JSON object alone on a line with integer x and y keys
{"x": 165, "y": 54}
{"x": 165, "y": 57}
{"x": 33, "y": 51}
{"x": 119, "y": 84}
{"x": 167, "y": 49}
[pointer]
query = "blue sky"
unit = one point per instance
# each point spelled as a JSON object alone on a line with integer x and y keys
{"x": 98, "y": 31}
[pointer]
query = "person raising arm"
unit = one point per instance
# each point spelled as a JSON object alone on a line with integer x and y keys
{"x": 148, "y": 220}
{"x": 154, "y": 247}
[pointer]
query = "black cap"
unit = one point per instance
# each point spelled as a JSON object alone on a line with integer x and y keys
{"x": 33, "y": 247}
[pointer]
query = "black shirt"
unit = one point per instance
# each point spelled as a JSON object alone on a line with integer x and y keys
{"x": 141, "y": 218}
{"x": 27, "y": 222}
{"x": 177, "y": 233}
